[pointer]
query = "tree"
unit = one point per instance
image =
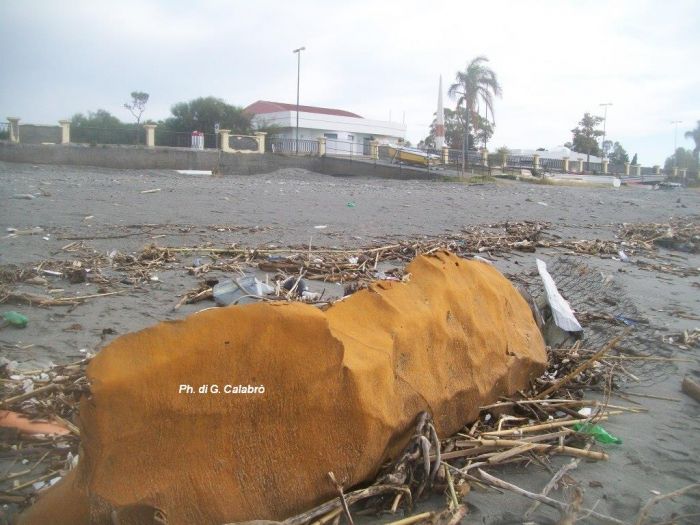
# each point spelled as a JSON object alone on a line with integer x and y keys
{"x": 136, "y": 107}
{"x": 585, "y": 138}
{"x": 634, "y": 160}
{"x": 100, "y": 127}
{"x": 695, "y": 135}
{"x": 618, "y": 155}
{"x": 476, "y": 85}
{"x": 683, "y": 159}
{"x": 202, "y": 114}
{"x": 454, "y": 130}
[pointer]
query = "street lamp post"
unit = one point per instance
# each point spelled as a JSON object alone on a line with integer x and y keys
{"x": 605, "y": 121}
{"x": 298, "y": 52}
{"x": 675, "y": 142}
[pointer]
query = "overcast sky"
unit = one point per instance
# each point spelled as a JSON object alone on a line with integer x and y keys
{"x": 555, "y": 60}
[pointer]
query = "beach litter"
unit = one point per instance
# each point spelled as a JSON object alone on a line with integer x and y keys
{"x": 15, "y": 319}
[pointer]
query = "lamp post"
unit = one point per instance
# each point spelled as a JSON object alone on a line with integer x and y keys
{"x": 605, "y": 121}
{"x": 298, "y": 52}
{"x": 675, "y": 142}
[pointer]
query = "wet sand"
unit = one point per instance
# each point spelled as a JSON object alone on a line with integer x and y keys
{"x": 107, "y": 210}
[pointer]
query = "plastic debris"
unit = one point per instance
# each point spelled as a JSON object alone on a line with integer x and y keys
{"x": 626, "y": 320}
{"x": 561, "y": 310}
{"x": 351, "y": 204}
{"x": 599, "y": 433}
{"x": 623, "y": 256}
{"x": 15, "y": 319}
{"x": 300, "y": 287}
{"x": 240, "y": 291}
{"x": 24, "y": 196}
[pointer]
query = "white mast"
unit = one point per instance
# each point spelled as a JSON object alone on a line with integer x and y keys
{"x": 440, "y": 124}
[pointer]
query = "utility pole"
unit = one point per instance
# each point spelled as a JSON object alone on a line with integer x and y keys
{"x": 675, "y": 142}
{"x": 298, "y": 52}
{"x": 605, "y": 121}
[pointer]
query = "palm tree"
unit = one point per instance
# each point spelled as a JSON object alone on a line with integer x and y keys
{"x": 476, "y": 84}
{"x": 695, "y": 135}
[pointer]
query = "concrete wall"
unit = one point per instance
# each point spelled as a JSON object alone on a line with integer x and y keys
{"x": 137, "y": 157}
{"x": 32, "y": 134}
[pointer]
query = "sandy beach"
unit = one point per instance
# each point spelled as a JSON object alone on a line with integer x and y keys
{"x": 78, "y": 211}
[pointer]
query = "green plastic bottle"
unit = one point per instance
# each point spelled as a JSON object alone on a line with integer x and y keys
{"x": 599, "y": 433}
{"x": 15, "y": 319}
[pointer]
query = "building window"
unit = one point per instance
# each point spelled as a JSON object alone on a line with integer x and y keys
{"x": 331, "y": 135}
{"x": 351, "y": 138}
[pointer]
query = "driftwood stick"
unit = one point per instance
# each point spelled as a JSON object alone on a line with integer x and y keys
{"x": 339, "y": 488}
{"x": 412, "y": 519}
{"x": 656, "y": 499}
{"x": 583, "y": 366}
{"x": 691, "y": 388}
{"x": 563, "y": 507}
{"x": 350, "y": 498}
{"x": 328, "y": 517}
{"x": 571, "y": 465}
{"x": 28, "y": 395}
{"x": 543, "y": 426}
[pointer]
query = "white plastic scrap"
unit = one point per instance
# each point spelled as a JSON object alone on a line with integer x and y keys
{"x": 561, "y": 310}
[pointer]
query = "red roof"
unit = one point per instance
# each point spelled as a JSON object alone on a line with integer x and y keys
{"x": 265, "y": 106}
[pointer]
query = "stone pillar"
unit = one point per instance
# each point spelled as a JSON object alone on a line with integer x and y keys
{"x": 657, "y": 170}
{"x": 565, "y": 164}
{"x": 150, "y": 135}
{"x": 65, "y": 131}
{"x": 637, "y": 170}
{"x": 322, "y": 146}
{"x": 224, "y": 134}
{"x": 684, "y": 172}
{"x": 536, "y": 161}
{"x": 445, "y": 155}
{"x": 580, "y": 165}
{"x": 504, "y": 160}
{"x": 485, "y": 157}
{"x": 374, "y": 149}
{"x": 260, "y": 137}
{"x": 14, "y": 128}
{"x": 675, "y": 171}
{"x": 604, "y": 165}
{"x": 627, "y": 169}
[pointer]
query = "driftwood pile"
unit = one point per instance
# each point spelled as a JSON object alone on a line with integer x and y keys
{"x": 113, "y": 271}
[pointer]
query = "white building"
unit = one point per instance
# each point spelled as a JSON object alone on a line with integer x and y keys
{"x": 346, "y": 133}
{"x": 558, "y": 152}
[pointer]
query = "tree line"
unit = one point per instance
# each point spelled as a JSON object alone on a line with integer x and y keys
{"x": 200, "y": 114}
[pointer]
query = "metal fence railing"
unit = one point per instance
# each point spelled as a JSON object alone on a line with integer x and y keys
{"x": 4, "y": 131}
{"x": 344, "y": 148}
{"x": 593, "y": 167}
{"x": 520, "y": 161}
{"x": 184, "y": 139}
{"x": 301, "y": 147}
{"x": 552, "y": 165}
{"x": 616, "y": 169}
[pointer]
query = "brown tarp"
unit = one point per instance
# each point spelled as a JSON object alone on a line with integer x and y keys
{"x": 342, "y": 390}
